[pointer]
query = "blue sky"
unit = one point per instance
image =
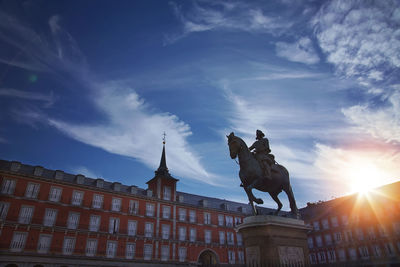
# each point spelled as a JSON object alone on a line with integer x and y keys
{"x": 90, "y": 86}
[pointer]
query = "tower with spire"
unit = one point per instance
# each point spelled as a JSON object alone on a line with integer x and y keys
{"x": 163, "y": 185}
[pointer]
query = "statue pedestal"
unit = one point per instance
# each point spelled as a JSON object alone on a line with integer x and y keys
{"x": 272, "y": 240}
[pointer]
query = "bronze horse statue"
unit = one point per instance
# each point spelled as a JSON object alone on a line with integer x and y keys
{"x": 251, "y": 176}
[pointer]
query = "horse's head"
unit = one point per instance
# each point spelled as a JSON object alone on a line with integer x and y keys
{"x": 234, "y": 145}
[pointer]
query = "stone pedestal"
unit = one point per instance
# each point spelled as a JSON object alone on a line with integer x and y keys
{"x": 274, "y": 241}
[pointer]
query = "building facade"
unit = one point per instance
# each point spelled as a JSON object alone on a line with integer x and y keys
{"x": 52, "y": 218}
{"x": 356, "y": 230}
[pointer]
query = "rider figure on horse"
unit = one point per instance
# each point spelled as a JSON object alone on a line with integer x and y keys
{"x": 262, "y": 153}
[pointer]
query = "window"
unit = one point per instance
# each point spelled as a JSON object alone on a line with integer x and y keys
{"x": 50, "y": 216}
{"x": 44, "y": 244}
{"x": 328, "y": 239}
{"x": 25, "y": 214}
{"x": 239, "y": 239}
{"x": 316, "y": 225}
{"x": 230, "y": 238}
{"x": 396, "y": 228}
{"x": 349, "y": 236}
{"x": 182, "y": 215}
{"x": 94, "y": 223}
{"x": 18, "y": 242}
{"x": 114, "y": 225}
{"x": 321, "y": 257}
{"x": 8, "y": 186}
{"x": 376, "y": 250}
{"x": 389, "y": 249}
{"x": 150, "y": 209}
{"x": 133, "y": 207}
{"x": 310, "y": 242}
{"x": 164, "y": 253}
{"x": 192, "y": 235}
{"x": 130, "y": 250}
{"x": 371, "y": 232}
{"x": 165, "y": 231}
{"x": 229, "y": 221}
{"x": 318, "y": 239}
{"x": 345, "y": 220}
{"x": 331, "y": 255}
{"x": 241, "y": 257}
{"x": 231, "y": 257}
{"x": 32, "y": 190}
{"x": 116, "y": 204}
{"x": 68, "y": 245}
{"x": 353, "y": 254}
{"x": 220, "y": 220}
{"x": 382, "y": 231}
{"x": 313, "y": 259}
{"x": 222, "y": 238}
{"x": 338, "y": 237}
{"x": 182, "y": 233}
{"x": 73, "y": 220}
{"x": 132, "y": 227}
{"x": 97, "y": 202}
{"x": 360, "y": 234}
{"x": 364, "y": 252}
{"x": 55, "y": 194}
{"x": 91, "y": 247}
{"x": 325, "y": 224}
{"x": 147, "y": 251}
{"x": 207, "y": 236}
{"x": 148, "y": 229}
{"x": 111, "y": 249}
{"x": 342, "y": 255}
{"x": 238, "y": 220}
{"x": 334, "y": 222}
{"x": 207, "y": 218}
{"x": 192, "y": 216}
{"x": 182, "y": 254}
{"x": 3, "y": 210}
{"x": 166, "y": 212}
{"x": 167, "y": 193}
{"x": 77, "y": 197}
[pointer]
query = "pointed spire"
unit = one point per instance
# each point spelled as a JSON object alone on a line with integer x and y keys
{"x": 162, "y": 169}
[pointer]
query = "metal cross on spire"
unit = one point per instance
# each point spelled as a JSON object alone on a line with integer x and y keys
{"x": 164, "y": 135}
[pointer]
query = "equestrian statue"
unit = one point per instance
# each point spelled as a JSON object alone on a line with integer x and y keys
{"x": 259, "y": 170}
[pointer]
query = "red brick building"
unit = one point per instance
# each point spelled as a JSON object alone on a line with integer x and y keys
{"x": 356, "y": 230}
{"x": 52, "y": 218}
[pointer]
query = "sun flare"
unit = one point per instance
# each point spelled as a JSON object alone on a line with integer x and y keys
{"x": 364, "y": 177}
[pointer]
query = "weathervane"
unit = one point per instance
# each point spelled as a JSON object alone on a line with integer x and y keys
{"x": 164, "y": 135}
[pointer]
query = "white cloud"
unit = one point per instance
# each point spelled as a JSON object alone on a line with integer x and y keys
{"x": 85, "y": 171}
{"x": 383, "y": 123}
{"x": 360, "y": 38}
{"x": 300, "y": 51}
{"x": 10, "y": 92}
{"x": 233, "y": 16}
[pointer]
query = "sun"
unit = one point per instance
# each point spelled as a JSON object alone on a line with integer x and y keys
{"x": 364, "y": 177}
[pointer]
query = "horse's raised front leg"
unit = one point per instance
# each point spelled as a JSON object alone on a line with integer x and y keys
{"x": 275, "y": 197}
{"x": 250, "y": 192}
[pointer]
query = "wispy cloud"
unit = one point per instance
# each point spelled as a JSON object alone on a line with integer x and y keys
{"x": 85, "y": 171}
{"x": 131, "y": 128}
{"x": 217, "y": 15}
{"x": 361, "y": 40}
{"x": 300, "y": 51}
{"x": 10, "y": 92}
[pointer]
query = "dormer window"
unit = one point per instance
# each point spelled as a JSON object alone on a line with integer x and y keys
{"x": 167, "y": 193}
